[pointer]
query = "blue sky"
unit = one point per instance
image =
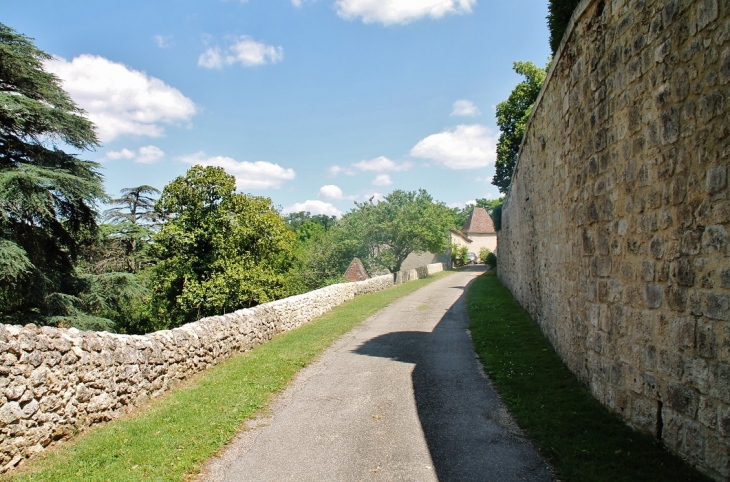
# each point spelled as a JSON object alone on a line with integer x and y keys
{"x": 313, "y": 103}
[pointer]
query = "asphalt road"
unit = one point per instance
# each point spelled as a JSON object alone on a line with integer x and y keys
{"x": 400, "y": 398}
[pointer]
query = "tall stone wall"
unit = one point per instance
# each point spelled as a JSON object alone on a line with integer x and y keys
{"x": 54, "y": 382}
{"x": 615, "y": 231}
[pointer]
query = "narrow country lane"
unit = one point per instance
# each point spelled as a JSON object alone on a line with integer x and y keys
{"x": 399, "y": 398}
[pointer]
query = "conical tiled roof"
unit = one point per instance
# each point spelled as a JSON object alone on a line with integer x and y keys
{"x": 479, "y": 222}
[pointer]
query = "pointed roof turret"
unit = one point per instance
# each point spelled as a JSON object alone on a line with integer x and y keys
{"x": 479, "y": 222}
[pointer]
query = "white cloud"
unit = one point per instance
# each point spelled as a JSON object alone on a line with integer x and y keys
{"x": 465, "y": 108}
{"x": 123, "y": 154}
{"x": 211, "y": 58}
{"x": 382, "y": 164}
{"x": 330, "y": 191}
{"x": 296, "y": 3}
{"x": 144, "y": 155}
{"x": 313, "y": 206}
{"x": 334, "y": 171}
{"x": 389, "y": 12}
{"x": 149, "y": 154}
{"x": 465, "y": 147}
{"x": 382, "y": 180}
{"x": 120, "y": 100}
{"x": 243, "y": 50}
{"x": 163, "y": 41}
{"x": 249, "y": 175}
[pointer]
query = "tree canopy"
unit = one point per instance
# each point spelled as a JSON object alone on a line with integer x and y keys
{"x": 384, "y": 233}
{"x": 47, "y": 196}
{"x": 512, "y": 116}
{"x": 219, "y": 251}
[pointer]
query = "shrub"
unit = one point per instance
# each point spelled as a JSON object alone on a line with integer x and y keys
{"x": 483, "y": 253}
{"x": 491, "y": 260}
{"x": 463, "y": 253}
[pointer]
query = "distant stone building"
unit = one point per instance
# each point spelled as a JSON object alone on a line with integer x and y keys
{"x": 478, "y": 232}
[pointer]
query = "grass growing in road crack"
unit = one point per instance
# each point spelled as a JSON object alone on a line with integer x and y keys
{"x": 573, "y": 431}
{"x": 170, "y": 438}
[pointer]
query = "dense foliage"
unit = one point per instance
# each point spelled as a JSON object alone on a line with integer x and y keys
{"x": 219, "y": 251}
{"x": 47, "y": 195}
{"x": 512, "y": 116}
{"x": 559, "y": 13}
{"x": 384, "y": 233}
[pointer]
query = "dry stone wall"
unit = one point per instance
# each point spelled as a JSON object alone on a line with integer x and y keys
{"x": 54, "y": 382}
{"x": 615, "y": 231}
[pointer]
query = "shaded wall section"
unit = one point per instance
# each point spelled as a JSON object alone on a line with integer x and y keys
{"x": 615, "y": 232}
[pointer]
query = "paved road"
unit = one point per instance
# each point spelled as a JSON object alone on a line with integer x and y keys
{"x": 399, "y": 398}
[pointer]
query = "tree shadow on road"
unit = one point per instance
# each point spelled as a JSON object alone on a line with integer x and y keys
{"x": 468, "y": 432}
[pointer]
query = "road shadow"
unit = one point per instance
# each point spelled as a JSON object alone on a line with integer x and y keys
{"x": 468, "y": 432}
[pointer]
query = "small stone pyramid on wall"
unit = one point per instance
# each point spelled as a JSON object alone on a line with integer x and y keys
{"x": 356, "y": 271}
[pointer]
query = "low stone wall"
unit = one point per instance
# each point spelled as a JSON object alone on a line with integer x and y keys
{"x": 615, "y": 231}
{"x": 55, "y": 382}
{"x": 406, "y": 275}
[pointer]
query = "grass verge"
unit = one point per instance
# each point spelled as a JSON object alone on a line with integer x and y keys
{"x": 572, "y": 430}
{"x": 170, "y": 438}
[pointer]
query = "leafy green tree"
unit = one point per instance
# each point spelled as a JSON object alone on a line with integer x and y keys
{"x": 219, "y": 251}
{"x": 323, "y": 256}
{"x": 47, "y": 196}
{"x": 559, "y": 13}
{"x": 512, "y": 115}
{"x": 298, "y": 219}
{"x": 384, "y": 233}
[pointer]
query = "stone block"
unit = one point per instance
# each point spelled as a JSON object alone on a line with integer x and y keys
{"x": 715, "y": 238}
{"x": 682, "y": 399}
{"x": 717, "y": 306}
{"x": 683, "y": 272}
{"x": 716, "y": 180}
{"x": 653, "y": 296}
{"x": 707, "y": 412}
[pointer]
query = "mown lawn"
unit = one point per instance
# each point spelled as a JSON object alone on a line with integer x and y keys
{"x": 572, "y": 430}
{"x": 170, "y": 438}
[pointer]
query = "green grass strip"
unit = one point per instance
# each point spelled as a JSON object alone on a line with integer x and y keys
{"x": 572, "y": 430}
{"x": 173, "y": 436}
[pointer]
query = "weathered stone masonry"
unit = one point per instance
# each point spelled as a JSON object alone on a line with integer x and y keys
{"x": 615, "y": 232}
{"x": 54, "y": 382}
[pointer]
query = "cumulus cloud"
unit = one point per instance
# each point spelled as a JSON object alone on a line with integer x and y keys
{"x": 382, "y": 164}
{"x": 121, "y": 100}
{"x": 389, "y": 12}
{"x": 465, "y": 147}
{"x": 382, "y": 180}
{"x": 330, "y": 191}
{"x": 144, "y": 155}
{"x": 465, "y": 108}
{"x": 249, "y": 175}
{"x": 149, "y": 154}
{"x": 245, "y": 51}
{"x": 313, "y": 206}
